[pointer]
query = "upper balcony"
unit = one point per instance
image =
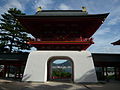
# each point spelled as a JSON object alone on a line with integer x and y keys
{"x": 77, "y": 44}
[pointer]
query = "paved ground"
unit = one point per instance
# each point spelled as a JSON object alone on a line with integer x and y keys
{"x": 15, "y": 85}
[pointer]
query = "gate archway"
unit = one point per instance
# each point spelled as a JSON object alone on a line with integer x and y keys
{"x": 63, "y": 71}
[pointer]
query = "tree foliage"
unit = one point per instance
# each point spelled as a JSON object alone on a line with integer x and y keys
{"x": 13, "y": 36}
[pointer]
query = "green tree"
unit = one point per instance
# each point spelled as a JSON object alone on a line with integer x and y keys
{"x": 12, "y": 34}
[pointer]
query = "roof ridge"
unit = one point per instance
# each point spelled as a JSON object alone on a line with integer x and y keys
{"x": 61, "y": 10}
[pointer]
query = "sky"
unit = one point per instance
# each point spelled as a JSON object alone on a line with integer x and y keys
{"x": 105, "y": 35}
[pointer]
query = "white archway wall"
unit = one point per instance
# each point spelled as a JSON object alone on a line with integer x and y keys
{"x": 36, "y": 67}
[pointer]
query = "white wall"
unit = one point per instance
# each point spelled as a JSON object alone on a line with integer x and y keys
{"x": 36, "y": 67}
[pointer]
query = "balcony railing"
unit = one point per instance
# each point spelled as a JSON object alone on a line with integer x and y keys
{"x": 75, "y": 41}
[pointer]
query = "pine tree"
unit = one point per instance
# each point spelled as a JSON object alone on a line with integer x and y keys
{"x": 12, "y": 34}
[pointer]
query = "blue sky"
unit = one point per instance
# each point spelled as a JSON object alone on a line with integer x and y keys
{"x": 107, "y": 33}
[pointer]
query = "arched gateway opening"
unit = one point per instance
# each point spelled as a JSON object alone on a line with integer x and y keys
{"x": 60, "y": 68}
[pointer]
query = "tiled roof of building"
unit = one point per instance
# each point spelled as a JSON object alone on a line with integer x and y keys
{"x": 116, "y": 43}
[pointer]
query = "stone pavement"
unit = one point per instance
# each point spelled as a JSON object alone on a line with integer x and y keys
{"x": 15, "y": 85}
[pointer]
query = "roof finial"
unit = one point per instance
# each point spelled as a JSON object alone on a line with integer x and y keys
{"x": 39, "y": 9}
{"x": 84, "y": 9}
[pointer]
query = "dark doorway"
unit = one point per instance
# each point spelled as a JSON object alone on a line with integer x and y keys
{"x": 60, "y": 69}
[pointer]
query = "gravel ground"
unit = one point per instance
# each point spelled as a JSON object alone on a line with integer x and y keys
{"x": 15, "y": 85}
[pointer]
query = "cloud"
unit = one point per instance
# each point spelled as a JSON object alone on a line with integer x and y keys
{"x": 104, "y": 49}
{"x": 115, "y": 1}
{"x": 103, "y": 31}
{"x": 11, "y": 4}
{"x": 114, "y": 17}
{"x": 103, "y": 43}
{"x": 15, "y": 4}
{"x": 114, "y": 21}
{"x": 64, "y": 7}
{"x": 43, "y": 3}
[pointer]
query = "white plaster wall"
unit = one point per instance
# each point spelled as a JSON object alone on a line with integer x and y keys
{"x": 36, "y": 67}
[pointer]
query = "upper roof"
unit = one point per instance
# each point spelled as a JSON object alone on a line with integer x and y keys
{"x": 51, "y": 20}
{"x": 61, "y": 13}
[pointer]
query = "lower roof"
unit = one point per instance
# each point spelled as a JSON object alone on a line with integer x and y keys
{"x": 116, "y": 42}
{"x": 14, "y": 56}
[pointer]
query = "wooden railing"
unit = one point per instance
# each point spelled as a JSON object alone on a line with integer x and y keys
{"x": 76, "y": 41}
{"x": 54, "y": 40}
